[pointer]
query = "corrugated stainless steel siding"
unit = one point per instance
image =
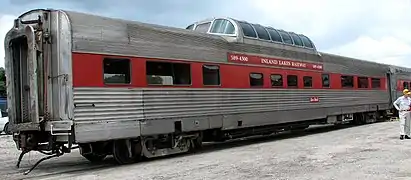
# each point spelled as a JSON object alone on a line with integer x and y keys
{"x": 180, "y": 103}
{"x": 107, "y": 104}
{"x": 99, "y": 34}
{"x": 128, "y": 104}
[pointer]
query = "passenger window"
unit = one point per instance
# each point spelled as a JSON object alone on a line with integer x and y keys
{"x": 362, "y": 82}
{"x": 165, "y": 73}
{"x": 286, "y": 37}
{"x": 256, "y": 80}
{"x": 211, "y": 75}
{"x": 222, "y": 26}
{"x": 375, "y": 82}
{"x": 347, "y": 81}
{"x": 276, "y": 80}
{"x": 306, "y": 41}
{"x": 275, "y": 36}
{"x": 325, "y": 80}
{"x": 248, "y": 30}
{"x": 262, "y": 33}
{"x": 405, "y": 85}
{"x": 116, "y": 71}
{"x": 203, "y": 27}
{"x": 292, "y": 81}
{"x": 308, "y": 81}
{"x": 297, "y": 40}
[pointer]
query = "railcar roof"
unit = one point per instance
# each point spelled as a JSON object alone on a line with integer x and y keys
{"x": 399, "y": 69}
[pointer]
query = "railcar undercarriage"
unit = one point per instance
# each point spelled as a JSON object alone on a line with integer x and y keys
{"x": 124, "y": 151}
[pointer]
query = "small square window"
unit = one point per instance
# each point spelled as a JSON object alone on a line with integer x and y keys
{"x": 116, "y": 71}
{"x": 308, "y": 81}
{"x": 375, "y": 83}
{"x": 211, "y": 75}
{"x": 292, "y": 81}
{"x": 256, "y": 80}
{"x": 276, "y": 80}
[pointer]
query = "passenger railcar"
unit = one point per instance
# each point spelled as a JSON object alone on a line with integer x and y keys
{"x": 131, "y": 89}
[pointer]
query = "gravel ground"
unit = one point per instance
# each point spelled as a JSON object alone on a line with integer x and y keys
{"x": 363, "y": 152}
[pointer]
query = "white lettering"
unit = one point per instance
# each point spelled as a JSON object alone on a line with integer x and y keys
{"x": 315, "y": 66}
{"x": 274, "y": 62}
{"x": 269, "y": 61}
{"x": 284, "y": 63}
{"x": 239, "y": 58}
{"x": 298, "y": 64}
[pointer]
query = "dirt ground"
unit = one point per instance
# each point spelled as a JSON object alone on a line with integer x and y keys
{"x": 371, "y": 151}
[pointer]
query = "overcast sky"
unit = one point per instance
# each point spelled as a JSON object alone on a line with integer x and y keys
{"x": 375, "y": 30}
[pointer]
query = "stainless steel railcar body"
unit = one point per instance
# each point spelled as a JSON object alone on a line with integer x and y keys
{"x": 47, "y": 111}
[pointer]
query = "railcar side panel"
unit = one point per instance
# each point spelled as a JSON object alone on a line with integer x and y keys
{"x": 114, "y": 117}
{"x": 222, "y": 107}
{"x": 107, "y": 113}
{"x": 117, "y": 109}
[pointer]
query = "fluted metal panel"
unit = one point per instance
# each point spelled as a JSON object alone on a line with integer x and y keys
{"x": 167, "y": 103}
{"x": 131, "y": 104}
{"x": 110, "y": 104}
{"x": 112, "y": 113}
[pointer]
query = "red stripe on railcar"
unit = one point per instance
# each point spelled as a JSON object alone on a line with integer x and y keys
{"x": 88, "y": 72}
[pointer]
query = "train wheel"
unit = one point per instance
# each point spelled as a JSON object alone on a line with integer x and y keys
{"x": 197, "y": 144}
{"x": 7, "y": 129}
{"x": 359, "y": 119}
{"x": 126, "y": 152}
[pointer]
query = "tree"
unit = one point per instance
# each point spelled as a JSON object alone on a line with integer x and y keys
{"x": 3, "y": 89}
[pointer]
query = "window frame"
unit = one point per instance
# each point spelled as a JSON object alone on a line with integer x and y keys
{"x": 241, "y": 23}
{"x": 199, "y": 24}
{"x": 312, "y": 81}
{"x": 170, "y": 62}
{"x": 408, "y": 84}
{"x": 219, "y": 74}
{"x": 256, "y": 27}
{"x": 347, "y": 87}
{"x": 282, "y": 80}
{"x": 262, "y": 80}
{"x": 272, "y": 31}
{"x": 222, "y": 19}
{"x": 305, "y": 40}
{"x": 296, "y": 37}
{"x": 130, "y": 72}
{"x": 358, "y": 82}
{"x": 296, "y": 77}
{"x": 285, "y": 33}
{"x": 379, "y": 84}
{"x": 322, "y": 80}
